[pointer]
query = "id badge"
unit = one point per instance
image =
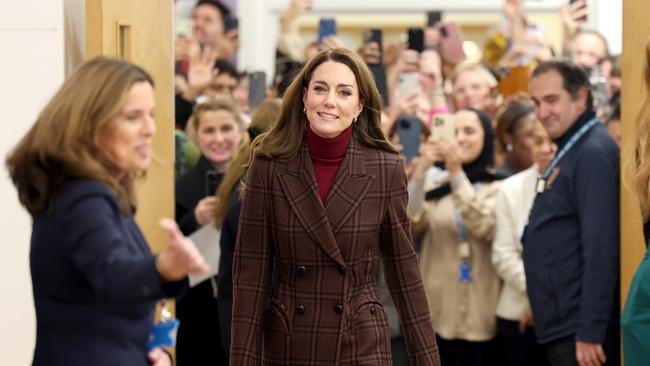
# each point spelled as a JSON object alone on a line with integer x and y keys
{"x": 163, "y": 334}
{"x": 464, "y": 272}
{"x": 463, "y": 250}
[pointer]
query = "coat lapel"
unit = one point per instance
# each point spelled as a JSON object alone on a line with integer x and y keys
{"x": 349, "y": 188}
{"x": 301, "y": 190}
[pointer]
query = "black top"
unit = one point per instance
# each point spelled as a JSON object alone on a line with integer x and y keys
{"x": 200, "y": 182}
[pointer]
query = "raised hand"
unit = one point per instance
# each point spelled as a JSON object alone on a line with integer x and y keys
{"x": 181, "y": 257}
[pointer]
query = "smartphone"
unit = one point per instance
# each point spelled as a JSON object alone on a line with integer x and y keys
{"x": 451, "y": 43}
{"x": 433, "y": 18}
{"x": 416, "y": 39}
{"x": 584, "y": 17}
{"x": 184, "y": 28}
{"x": 326, "y": 27}
{"x": 443, "y": 127}
{"x": 409, "y": 129}
{"x": 372, "y": 46}
{"x": 212, "y": 181}
{"x": 408, "y": 82}
{"x": 513, "y": 80}
{"x": 256, "y": 88}
{"x": 379, "y": 72}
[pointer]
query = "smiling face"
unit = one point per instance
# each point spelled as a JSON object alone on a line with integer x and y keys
{"x": 126, "y": 140}
{"x": 218, "y": 136}
{"x": 554, "y": 106}
{"x": 543, "y": 148}
{"x": 331, "y": 99}
{"x": 469, "y": 135}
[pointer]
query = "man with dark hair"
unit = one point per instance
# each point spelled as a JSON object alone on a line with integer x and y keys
{"x": 209, "y": 17}
{"x": 571, "y": 243}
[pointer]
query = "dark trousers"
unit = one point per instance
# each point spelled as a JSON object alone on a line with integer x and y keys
{"x": 465, "y": 353}
{"x": 199, "y": 336}
{"x": 518, "y": 349}
{"x": 562, "y": 352}
{"x": 398, "y": 351}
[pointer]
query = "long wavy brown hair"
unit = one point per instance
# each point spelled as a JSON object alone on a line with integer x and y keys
{"x": 262, "y": 120}
{"x": 642, "y": 171}
{"x": 64, "y": 142}
{"x": 286, "y": 137}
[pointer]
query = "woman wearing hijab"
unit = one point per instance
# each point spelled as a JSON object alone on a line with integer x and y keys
{"x": 453, "y": 212}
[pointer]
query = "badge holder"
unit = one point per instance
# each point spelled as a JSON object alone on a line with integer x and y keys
{"x": 464, "y": 269}
{"x": 163, "y": 334}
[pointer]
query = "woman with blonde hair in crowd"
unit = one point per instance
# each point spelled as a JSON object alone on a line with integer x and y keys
{"x": 226, "y": 213}
{"x": 217, "y": 129}
{"x": 94, "y": 278}
{"x": 635, "y": 321}
{"x": 325, "y": 199}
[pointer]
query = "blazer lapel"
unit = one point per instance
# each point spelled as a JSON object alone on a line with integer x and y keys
{"x": 301, "y": 190}
{"x": 349, "y": 188}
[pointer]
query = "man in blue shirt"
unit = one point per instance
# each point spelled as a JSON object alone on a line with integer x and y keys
{"x": 571, "y": 243}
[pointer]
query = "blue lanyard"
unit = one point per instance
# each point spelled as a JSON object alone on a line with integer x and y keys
{"x": 460, "y": 225}
{"x": 568, "y": 147}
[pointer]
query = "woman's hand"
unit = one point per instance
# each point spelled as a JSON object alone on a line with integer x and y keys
{"x": 204, "y": 210}
{"x": 158, "y": 357}
{"x": 181, "y": 257}
{"x": 451, "y": 152}
{"x": 429, "y": 153}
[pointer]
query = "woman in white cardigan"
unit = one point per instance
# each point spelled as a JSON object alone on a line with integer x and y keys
{"x": 514, "y": 201}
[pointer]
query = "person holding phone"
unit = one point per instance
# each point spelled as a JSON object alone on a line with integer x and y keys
{"x": 453, "y": 213}
{"x": 324, "y": 200}
{"x": 217, "y": 130}
{"x": 94, "y": 278}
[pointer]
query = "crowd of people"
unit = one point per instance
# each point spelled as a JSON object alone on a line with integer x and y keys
{"x": 380, "y": 204}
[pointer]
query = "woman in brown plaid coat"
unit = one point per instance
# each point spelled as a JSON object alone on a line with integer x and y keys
{"x": 325, "y": 198}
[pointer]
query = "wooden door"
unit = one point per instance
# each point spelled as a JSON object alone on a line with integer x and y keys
{"x": 635, "y": 35}
{"x": 141, "y": 32}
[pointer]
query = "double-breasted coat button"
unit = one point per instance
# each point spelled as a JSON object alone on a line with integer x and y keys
{"x": 341, "y": 270}
{"x": 301, "y": 270}
{"x": 373, "y": 310}
{"x": 300, "y": 309}
{"x": 338, "y": 308}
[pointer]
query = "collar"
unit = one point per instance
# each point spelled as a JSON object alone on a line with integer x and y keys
{"x": 584, "y": 118}
{"x": 328, "y": 148}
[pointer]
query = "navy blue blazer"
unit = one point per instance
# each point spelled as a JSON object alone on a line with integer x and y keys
{"x": 94, "y": 281}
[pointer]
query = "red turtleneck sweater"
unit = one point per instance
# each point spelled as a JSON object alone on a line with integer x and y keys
{"x": 326, "y": 157}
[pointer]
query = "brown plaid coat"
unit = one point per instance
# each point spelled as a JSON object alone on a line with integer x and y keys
{"x": 304, "y": 274}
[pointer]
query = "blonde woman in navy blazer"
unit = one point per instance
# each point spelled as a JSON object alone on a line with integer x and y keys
{"x": 95, "y": 281}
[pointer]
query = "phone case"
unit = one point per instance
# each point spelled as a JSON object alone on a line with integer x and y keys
{"x": 256, "y": 88}
{"x": 327, "y": 27}
{"x": 408, "y": 130}
{"x": 443, "y": 127}
{"x": 408, "y": 82}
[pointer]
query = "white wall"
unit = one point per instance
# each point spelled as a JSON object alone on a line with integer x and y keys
{"x": 31, "y": 35}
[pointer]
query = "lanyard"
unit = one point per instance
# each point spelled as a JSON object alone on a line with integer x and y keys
{"x": 541, "y": 182}
{"x": 460, "y": 225}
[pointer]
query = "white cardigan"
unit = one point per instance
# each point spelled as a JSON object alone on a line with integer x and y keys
{"x": 514, "y": 202}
